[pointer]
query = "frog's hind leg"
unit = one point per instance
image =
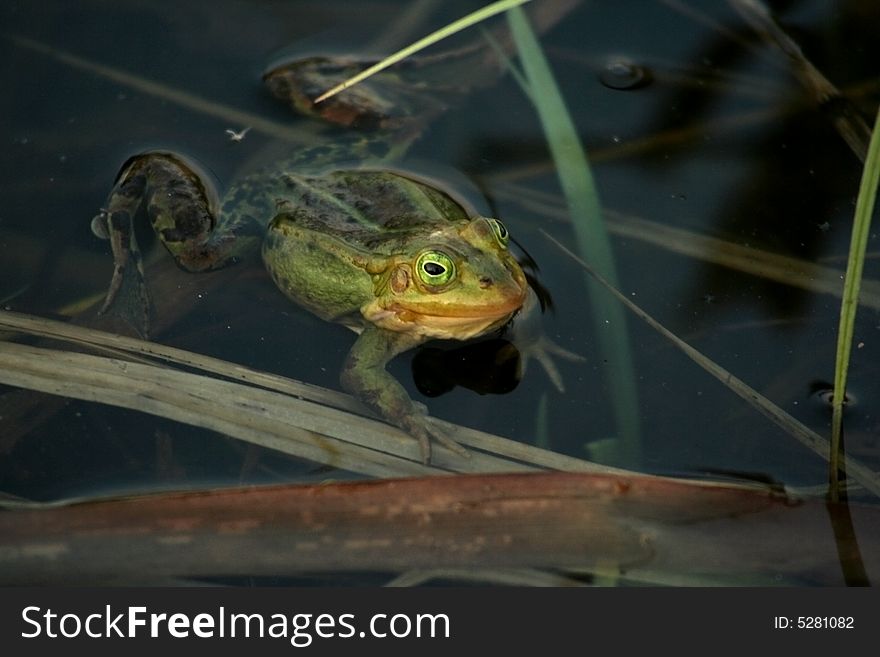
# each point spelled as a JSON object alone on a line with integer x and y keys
{"x": 180, "y": 209}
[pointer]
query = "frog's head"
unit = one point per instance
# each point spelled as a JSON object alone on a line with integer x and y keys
{"x": 457, "y": 282}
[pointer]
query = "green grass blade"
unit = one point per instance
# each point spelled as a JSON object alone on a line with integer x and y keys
{"x": 444, "y": 32}
{"x": 849, "y": 304}
{"x": 592, "y": 238}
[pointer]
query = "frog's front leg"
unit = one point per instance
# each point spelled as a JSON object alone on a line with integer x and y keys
{"x": 178, "y": 204}
{"x": 365, "y": 377}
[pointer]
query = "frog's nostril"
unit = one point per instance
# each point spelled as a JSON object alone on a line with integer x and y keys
{"x": 486, "y": 282}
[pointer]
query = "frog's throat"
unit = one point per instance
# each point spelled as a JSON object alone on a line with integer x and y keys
{"x": 442, "y": 323}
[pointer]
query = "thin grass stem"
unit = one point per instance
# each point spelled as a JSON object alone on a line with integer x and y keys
{"x": 444, "y": 32}
{"x": 849, "y": 304}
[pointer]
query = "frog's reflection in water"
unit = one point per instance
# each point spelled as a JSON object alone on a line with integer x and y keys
{"x": 491, "y": 366}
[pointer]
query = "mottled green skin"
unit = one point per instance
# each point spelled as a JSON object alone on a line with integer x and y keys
{"x": 348, "y": 252}
{"x": 346, "y": 245}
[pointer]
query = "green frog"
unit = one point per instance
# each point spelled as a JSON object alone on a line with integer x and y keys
{"x": 387, "y": 254}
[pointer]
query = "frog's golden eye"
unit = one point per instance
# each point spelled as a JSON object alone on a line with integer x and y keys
{"x": 435, "y": 268}
{"x": 500, "y": 231}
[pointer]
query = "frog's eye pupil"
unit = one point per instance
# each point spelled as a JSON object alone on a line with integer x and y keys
{"x": 433, "y": 268}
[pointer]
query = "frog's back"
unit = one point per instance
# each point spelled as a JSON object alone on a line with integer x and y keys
{"x": 374, "y": 211}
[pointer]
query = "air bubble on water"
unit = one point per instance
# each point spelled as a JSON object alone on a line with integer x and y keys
{"x": 822, "y": 394}
{"x": 622, "y": 74}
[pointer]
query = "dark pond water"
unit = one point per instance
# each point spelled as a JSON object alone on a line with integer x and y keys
{"x": 695, "y": 127}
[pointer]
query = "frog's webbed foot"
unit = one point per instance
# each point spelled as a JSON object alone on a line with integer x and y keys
{"x": 543, "y": 349}
{"x": 127, "y": 293}
{"x": 528, "y": 335}
{"x": 179, "y": 205}
{"x": 387, "y": 100}
{"x": 418, "y": 425}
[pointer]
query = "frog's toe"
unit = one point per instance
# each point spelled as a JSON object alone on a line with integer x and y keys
{"x": 418, "y": 427}
{"x": 543, "y": 350}
{"x": 449, "y": 443}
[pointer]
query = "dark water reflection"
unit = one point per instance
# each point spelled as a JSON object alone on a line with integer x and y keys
{"x": 723, "y": 142}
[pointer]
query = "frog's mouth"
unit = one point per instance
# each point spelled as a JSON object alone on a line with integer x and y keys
{"x": 446, "y": 321}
